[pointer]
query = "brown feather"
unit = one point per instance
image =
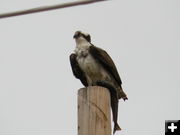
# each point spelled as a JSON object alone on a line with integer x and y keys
{"x": 78, "y": 73}
{"x": 103, "y": 57}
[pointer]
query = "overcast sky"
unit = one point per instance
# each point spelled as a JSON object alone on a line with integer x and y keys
{"x": 38, "y": 93}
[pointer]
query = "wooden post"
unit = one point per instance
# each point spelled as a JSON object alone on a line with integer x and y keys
{"x": 94, "y": 114}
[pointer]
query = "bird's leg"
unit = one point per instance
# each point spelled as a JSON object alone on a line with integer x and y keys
{"x": 107, "y": 85}
{"x": 94, "y": 84}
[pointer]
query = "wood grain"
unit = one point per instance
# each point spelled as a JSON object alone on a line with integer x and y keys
{"x": 94, "y": 115}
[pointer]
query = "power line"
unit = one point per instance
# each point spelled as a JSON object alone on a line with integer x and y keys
{"x": 46, "y": 8}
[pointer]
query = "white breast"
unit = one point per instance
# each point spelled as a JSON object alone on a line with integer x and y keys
{"x": 92, "y": 69}
{"x": 89, "y": 65}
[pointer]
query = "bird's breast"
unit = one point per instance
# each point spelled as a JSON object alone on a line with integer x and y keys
{"x": 89, "y": 65}
{"x": 93, "y": 70}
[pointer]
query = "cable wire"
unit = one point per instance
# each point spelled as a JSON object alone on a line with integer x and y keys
{"x": 46, "y": 8}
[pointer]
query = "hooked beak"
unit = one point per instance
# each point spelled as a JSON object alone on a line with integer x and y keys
{"x": 75, "y": 36}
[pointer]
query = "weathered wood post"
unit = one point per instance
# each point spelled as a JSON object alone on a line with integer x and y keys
{"x": 94, "y": 114}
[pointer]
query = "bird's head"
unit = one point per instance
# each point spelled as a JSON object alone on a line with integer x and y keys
{"x": 79, "y": 34}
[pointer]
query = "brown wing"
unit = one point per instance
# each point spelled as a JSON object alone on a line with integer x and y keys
{"x": 78, "y": 73}
{"x": 103, "y": 57}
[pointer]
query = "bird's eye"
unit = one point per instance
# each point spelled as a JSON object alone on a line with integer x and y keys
{"x": 78, "y": 34}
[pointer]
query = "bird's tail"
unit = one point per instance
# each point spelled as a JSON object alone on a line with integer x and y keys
{"x": 116, "y": 127}
{"x": 121, "y": 94}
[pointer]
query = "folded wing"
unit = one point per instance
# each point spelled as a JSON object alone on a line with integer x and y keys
{"x": 106, "y": 61}
{"x": 78, "y": 73}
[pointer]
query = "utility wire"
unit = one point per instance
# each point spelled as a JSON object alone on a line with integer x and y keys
{"x": 46, "y": 8}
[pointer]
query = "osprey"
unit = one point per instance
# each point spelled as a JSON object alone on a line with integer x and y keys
{"x": 93, "y": 66}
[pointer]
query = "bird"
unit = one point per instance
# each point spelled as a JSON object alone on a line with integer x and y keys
{"x": 94, "y": 67}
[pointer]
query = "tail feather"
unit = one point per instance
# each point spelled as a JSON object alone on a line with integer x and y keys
{"x": 116, "y": 127}
{"x": 121, "y": 94}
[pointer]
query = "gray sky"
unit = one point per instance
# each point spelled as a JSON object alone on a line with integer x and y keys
{"x": 38, "y": 92}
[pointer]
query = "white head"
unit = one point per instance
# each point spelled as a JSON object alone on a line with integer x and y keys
{"x": 82, "y": 36}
